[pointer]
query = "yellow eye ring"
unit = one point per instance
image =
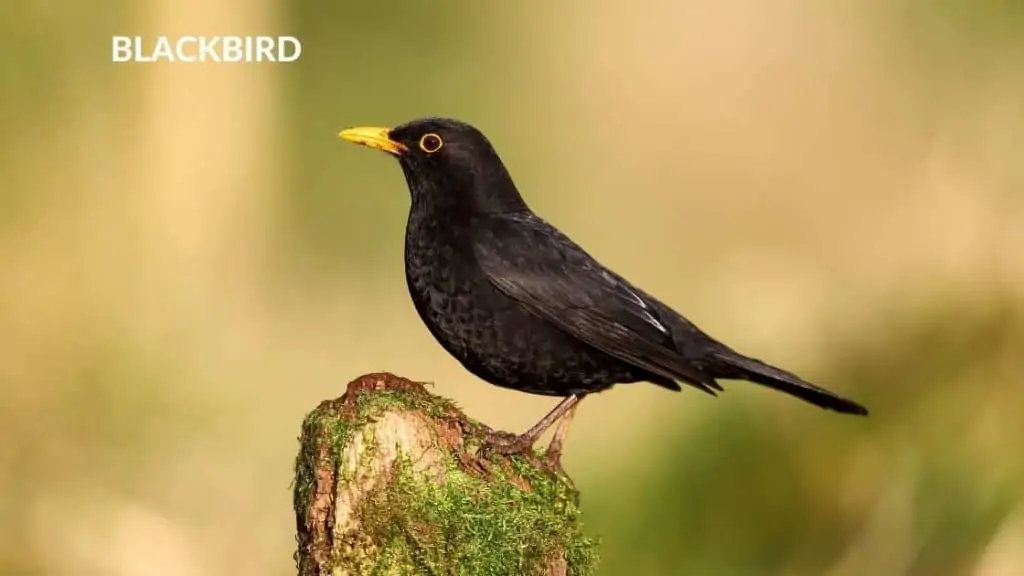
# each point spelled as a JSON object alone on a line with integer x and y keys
{"x": 431, "y": 143}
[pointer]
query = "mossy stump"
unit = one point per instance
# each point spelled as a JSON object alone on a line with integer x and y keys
{"x": 389, "y": 481}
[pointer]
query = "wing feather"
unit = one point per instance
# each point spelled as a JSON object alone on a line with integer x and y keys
{"x": 531, "y": 262}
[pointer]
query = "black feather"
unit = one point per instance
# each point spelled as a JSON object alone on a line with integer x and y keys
{"x": 730, "y": 364}
{"x": 521, "y": 305}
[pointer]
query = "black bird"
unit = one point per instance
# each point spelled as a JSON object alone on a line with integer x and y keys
{"x": 522, "y": 306}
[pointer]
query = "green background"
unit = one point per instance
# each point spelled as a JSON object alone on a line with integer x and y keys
{"x": 190, "y": 260}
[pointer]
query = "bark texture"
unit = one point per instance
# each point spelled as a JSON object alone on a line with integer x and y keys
{"x": 389, "y": 481}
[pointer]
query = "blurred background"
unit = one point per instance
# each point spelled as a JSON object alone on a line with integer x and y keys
{"x": 190, "y": 260}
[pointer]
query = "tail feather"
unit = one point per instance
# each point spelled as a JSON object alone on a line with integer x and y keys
{"x": 729, "y": 364}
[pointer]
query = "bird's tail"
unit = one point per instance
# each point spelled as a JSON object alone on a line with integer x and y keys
{"x": 730, "y": 364}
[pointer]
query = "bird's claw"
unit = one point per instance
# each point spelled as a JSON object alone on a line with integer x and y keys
{"x": 506, "y": 444}
{"x": 553, "y": 457}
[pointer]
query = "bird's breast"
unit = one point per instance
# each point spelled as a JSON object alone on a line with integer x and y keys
{"x": 463, "y": 310}
{"x": 446, "y": 286}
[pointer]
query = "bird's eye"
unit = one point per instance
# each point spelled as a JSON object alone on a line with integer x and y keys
{"x": 431, "y": 143}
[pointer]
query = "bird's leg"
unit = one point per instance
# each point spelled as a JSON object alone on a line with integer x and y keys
{"x": 524, "y": 442}
{"x": 554, "y": 451}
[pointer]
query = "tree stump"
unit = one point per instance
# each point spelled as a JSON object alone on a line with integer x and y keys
{"x": 389, "y": 481}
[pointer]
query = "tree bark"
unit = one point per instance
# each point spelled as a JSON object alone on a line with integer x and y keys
{"x": 389, "y": 481}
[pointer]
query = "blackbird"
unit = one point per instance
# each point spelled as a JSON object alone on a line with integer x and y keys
{"x": 522, "y": 306}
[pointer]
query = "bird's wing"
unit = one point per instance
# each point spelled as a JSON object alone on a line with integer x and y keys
{"x": 533, "y": 263}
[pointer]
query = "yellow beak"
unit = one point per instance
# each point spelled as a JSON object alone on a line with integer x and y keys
{"x": 374, "y": 137}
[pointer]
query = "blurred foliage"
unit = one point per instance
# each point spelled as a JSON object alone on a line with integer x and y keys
{"x": 742, "y": 495}
{"x": 190, "y": 260}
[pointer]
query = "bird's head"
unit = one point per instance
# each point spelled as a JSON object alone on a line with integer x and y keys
{"x": 448, "y": 164}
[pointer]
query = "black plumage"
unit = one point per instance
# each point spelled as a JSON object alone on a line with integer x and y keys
{"x": 522, "y": 306}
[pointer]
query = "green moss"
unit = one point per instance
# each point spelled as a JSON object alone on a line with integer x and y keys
{"x": 480, "y": 517}
{"x": 469, "y": 524}
{"x": 329, "y": 425}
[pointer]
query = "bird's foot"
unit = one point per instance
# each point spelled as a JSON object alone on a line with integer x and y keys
{"x": 554, "y": 452}
{"x": 553, "y": 461}
{"x": 511, "y": 444}
{"x": 507, "y": 444}
{"x": 553, "y": 455}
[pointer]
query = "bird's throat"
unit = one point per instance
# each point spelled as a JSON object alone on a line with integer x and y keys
{"x": 450, "y": 196}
